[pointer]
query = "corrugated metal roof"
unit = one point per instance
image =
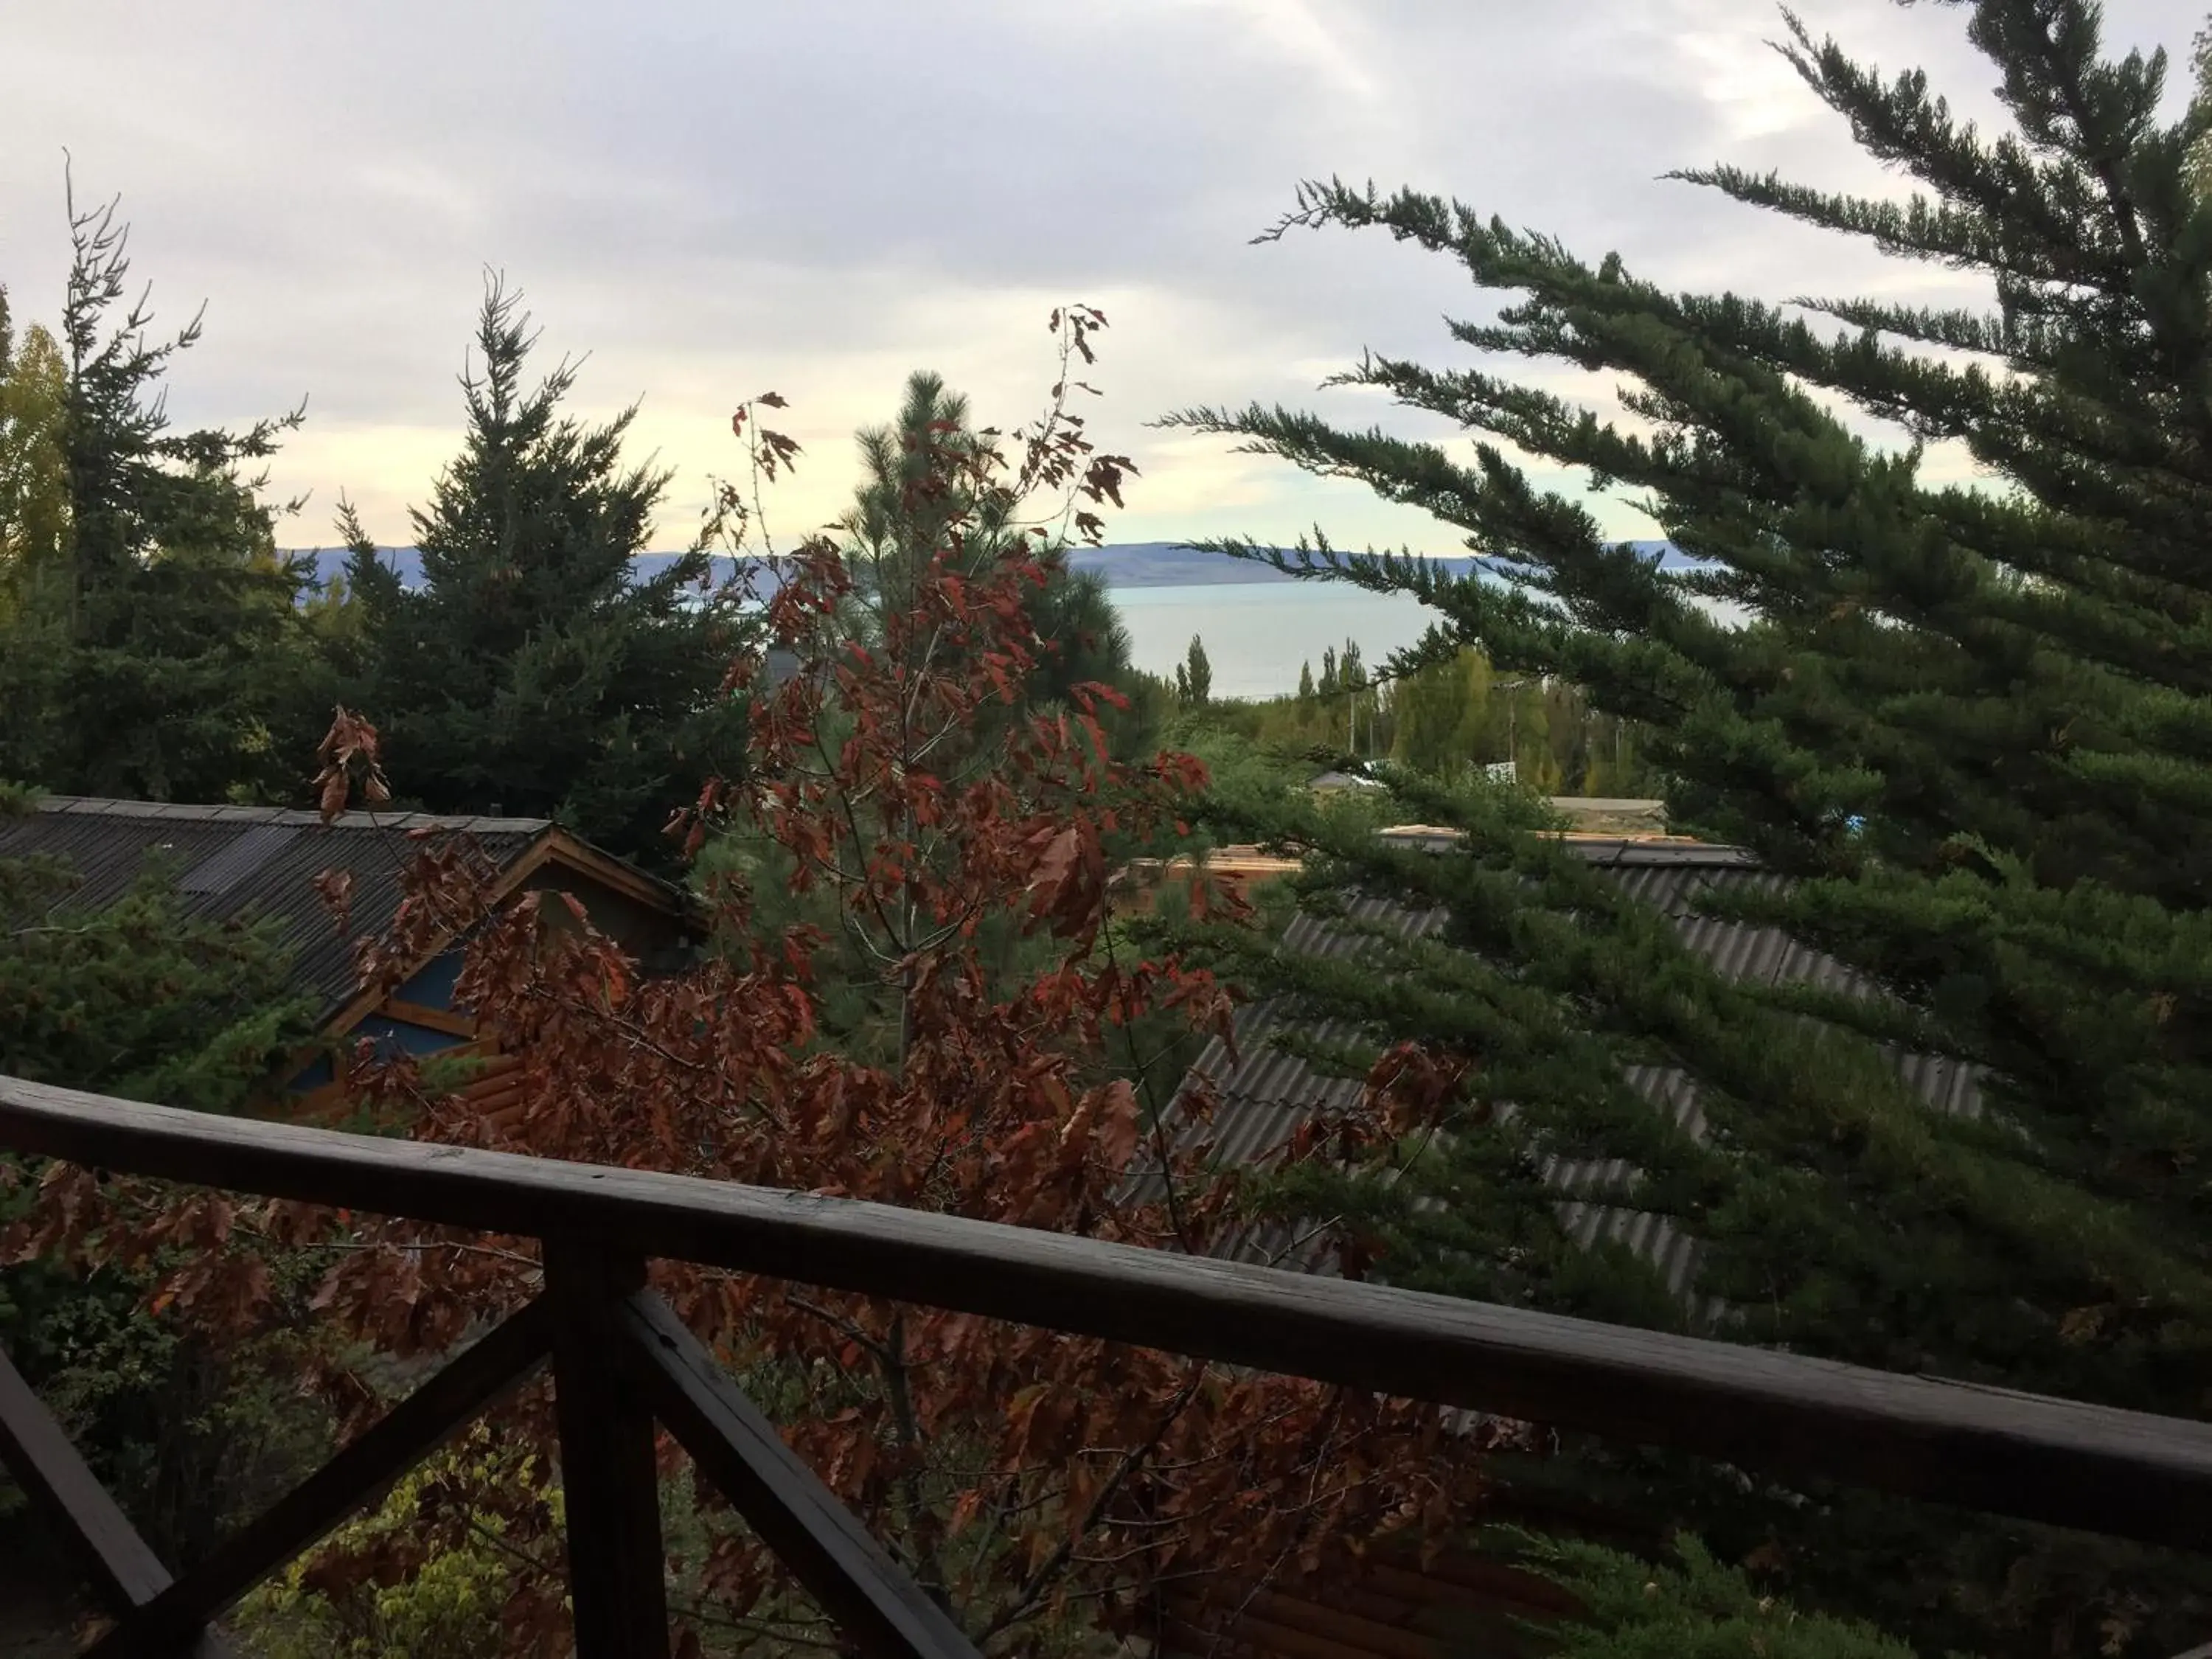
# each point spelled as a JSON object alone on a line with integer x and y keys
{"x": 230, "y": 864}
{"x": 233, "y": 862}
{"x": 1267, "y": 1093}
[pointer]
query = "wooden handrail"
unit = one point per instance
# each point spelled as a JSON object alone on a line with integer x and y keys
{"x": 2050, "y": 1459}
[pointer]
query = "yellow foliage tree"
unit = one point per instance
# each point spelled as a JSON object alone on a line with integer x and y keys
{"x": 34, "y": 482}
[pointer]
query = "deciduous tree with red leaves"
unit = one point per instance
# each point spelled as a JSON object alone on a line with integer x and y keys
{"x": 1050, "y": 1490}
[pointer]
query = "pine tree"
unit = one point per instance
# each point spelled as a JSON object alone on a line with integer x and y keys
{"x": 1971, "y": 724}
{"x": 1074, "y": 611}
{"x": 930, "y": 499}
{"x": 159, "y": 652}
{"x": 2200, "y": 157}
{"x": 922, "y": 494}
{"x": 532, "y": 671}
{"x": 925, "y": 491}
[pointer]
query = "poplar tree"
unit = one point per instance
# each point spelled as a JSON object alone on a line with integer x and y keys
{"x": 1443, "y": 715}
{"x": 1195, "y": 675}
{"x": 34, "y": 490}
{"x": 1970, "y": 723}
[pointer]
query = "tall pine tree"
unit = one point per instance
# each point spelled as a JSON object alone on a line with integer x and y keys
{"x": 1970, "y": 723}
{"x": 923, "y": 473}
{"x": 154, "y": 648}
{"x": 931, "y": 496}
{"x": 532, "y": 671}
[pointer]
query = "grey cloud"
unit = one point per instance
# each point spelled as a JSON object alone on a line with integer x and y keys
{"x": 703, "y": 193}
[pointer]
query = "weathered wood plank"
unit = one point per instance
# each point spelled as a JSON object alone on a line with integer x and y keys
{"x": 875, "y": 1604}
{"x": 125, "y": 1572}
{"x": 1332, "y": 1631}
{"x": 610, "y": 1486}
{"x": 429, "y": 1019}
{"x": 2119, "y": 1471}
{"x": 357, "y": 1476}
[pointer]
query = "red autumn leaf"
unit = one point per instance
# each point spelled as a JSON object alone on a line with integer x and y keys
{"x": 911, "y": 806}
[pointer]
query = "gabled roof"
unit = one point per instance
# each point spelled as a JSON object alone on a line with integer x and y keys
{"x": 1266, "y": 1094}
{"x": 233, "y": 862}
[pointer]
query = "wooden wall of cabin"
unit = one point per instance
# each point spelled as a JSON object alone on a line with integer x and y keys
{"x": 420, "y": 1018}
{"x": 1390, "y": 1605}
{"x": 647, "y": 931}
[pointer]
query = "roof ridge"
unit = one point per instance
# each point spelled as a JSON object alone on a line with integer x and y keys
{"x": 190, "y": 812}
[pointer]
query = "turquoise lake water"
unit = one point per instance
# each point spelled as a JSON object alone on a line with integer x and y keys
{"x": 1257, "y": 632}
{"x": 1256, "y": 635}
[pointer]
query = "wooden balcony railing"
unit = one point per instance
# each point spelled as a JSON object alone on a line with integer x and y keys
{"x": 622, "y": 1361}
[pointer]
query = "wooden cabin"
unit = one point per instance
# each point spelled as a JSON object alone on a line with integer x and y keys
{"x": 237, "y": 862}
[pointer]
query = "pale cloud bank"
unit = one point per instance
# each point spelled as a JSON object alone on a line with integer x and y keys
{"x": 716, "y": 199}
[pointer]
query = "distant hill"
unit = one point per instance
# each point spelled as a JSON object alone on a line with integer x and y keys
{"x": 1163, "y": 564}
{"x": 1131, "y": 564}
{"x": 408, "y": 562}
{"x": 1126, "y": 564}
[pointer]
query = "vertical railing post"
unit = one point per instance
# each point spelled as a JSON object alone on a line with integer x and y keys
{"x": 610, "y": 1486}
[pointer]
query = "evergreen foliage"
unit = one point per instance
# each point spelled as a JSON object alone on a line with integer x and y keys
{"x": 2200, "y": 159}
{"x": 140, "y": 999}
{"x": 532, "y": 671}
{"x": 924, "y": 499}
{"x": 1699, "y": 1609}
{"x": 923, "y": 493}
{"x": 153, "y": 648}
{"x": 1969, "y": 722}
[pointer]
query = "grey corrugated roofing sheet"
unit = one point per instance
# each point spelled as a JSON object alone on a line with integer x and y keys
{"x": 1266, "y": 1093}
{"x": 232, "y": 862}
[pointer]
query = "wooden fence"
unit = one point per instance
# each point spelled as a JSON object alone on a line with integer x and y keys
{"x": 621, "y": 1362}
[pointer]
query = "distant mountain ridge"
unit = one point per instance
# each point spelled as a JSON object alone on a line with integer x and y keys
{"x": 1124, "y": 564}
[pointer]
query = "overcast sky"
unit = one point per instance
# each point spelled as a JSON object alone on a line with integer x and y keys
{"x": 718, "y": 198}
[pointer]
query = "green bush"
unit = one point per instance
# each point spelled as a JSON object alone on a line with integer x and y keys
{"x": 425, "y": 1576}
{"x": 1634, "y": 1609}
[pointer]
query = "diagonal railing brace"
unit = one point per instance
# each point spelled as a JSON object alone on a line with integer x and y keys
{"x": 876, "y": 1606}
{"x": 356, "y": 1477}
{"x": 126, "y": 1574}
